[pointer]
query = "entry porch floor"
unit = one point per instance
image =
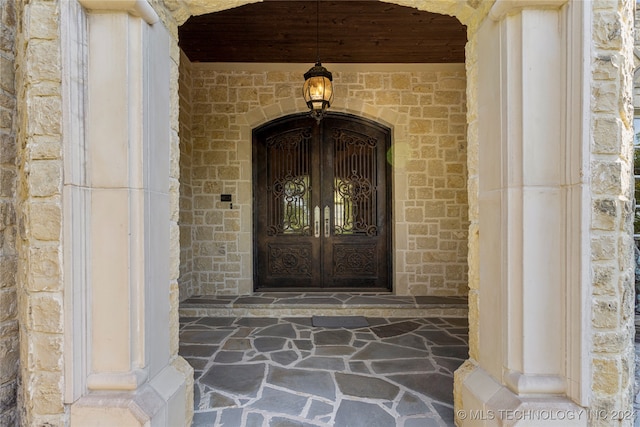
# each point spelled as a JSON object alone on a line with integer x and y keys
{"x": 272, "y": 368}
{"x": 258, "y": 365}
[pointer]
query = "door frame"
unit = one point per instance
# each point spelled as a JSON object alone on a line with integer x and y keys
{"x": 388, "y": 201}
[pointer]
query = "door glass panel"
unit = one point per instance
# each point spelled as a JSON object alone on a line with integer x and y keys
{"x": 354, "y": 193}
{"x": 343, "y": 208}
{"x": 288, "y": 185}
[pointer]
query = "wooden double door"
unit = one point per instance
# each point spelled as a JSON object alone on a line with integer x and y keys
{"x": 321, "y": 204}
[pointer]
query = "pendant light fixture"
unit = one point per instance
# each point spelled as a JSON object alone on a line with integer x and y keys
{"x": 318, "y": 89}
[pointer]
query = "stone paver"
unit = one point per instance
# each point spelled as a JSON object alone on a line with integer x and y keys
{"x": 267, "y": 372}
{"x": 323, "y": 304}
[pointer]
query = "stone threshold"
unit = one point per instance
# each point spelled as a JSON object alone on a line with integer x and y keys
{"x": 296, "y": 304}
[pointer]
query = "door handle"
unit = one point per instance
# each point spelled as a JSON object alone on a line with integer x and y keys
{"x": 327, "y": 217}
{"x": 316, "y": 224}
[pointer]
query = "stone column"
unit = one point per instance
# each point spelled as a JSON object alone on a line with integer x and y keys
{"x": 118, "y": 226}
{"x": 529, "y": 367}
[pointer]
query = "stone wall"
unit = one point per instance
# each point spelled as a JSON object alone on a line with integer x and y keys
{"x": 636, "y": 60}
{"x": 429, "y": 193}
{"x": 39, "y": 213}
{"x": 175, "y": 200}
{"x": 8, "y": 296}
{"x": 186, "y": 280}
{"x": 612, "y": 207}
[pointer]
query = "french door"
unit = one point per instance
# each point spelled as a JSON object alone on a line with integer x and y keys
{"x": 321, "y": 195}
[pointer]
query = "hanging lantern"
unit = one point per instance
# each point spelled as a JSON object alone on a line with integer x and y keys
{"x": 318, "y": 90}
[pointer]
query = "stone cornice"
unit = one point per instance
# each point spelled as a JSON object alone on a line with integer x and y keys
{"x": 502, "y": 8}
{"x": 139, "y": 8}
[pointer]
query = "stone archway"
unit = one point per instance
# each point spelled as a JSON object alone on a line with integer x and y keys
{"x": 259, "y": 116}
{"x": 572, "y": 115}
{"x": 507, "y": 206}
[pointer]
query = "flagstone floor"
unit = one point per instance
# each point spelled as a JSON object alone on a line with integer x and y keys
{"x": 268, "y": 372}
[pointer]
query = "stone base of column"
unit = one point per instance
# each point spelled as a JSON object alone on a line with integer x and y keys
{"x": 481, "y": 401}
{"x": 166, "y": 400}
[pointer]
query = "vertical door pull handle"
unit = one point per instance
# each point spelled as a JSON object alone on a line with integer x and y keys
{"x": 327, "y": 217}
{"x": 316, "y": 221}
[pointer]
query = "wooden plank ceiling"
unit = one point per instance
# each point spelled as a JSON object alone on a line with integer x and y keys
{"x": 349, "y": 31}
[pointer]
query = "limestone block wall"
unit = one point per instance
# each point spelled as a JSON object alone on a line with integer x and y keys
{"x": 424, "y": 106}
{"x": 9, "y": 349}
{"x": 39, "y": 213}
{"x": 612, "y": 206}
{"x": 186, "y": 281}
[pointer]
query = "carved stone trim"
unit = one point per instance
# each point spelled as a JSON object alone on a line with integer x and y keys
{"x": 139, "y": 8}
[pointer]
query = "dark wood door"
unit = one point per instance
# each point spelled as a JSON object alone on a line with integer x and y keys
{"x": 321, "y": 217}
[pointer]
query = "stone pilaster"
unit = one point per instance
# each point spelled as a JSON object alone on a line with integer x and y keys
{"x": 121, "y": 194}
{"x": 529, "y": 306}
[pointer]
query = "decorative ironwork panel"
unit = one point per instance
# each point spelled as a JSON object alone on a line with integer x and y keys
{"x": 355, "y": 179}
{"x": 288, "y": 183}
{"x": 290, "y": 260}
{"x": 354, "y": 260}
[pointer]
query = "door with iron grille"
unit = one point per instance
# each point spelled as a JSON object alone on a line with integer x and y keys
{"x": 321, "y": 195}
